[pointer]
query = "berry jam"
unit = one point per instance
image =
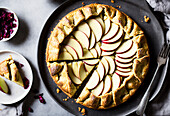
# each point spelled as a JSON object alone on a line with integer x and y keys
{"x": 7, "y": 23}
{"x": 26, "y": 83}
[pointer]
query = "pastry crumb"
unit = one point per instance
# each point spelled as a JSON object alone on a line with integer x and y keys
{"x": 146, "y": 19}
{"x": 142, "y": 21}
{"x": 58, "y": 90}
{"x": 83, "y": 111}
{"x": 66, "y": 99}
{"x": 83, "y": 3}
{"x": 0, "y": 109}
{"x": 75, "y": 99}
{"x": 118, "y": 6}
{"x": 72, "y": 101}
{"x": 79, "y": 109}
{"x": 112, "y": 1}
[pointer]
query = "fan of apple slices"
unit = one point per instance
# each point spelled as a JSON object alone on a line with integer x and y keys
{"x": 98, "y": 49}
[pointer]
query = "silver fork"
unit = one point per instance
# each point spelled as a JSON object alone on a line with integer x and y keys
{"x": 162, "y": 57}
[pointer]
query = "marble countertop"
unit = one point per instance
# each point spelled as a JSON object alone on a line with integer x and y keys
{"x": 32, "y": 16}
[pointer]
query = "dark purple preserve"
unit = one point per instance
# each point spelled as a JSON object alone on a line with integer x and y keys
{"x": 7, "y": 23}
{"x": 26, "y": 83}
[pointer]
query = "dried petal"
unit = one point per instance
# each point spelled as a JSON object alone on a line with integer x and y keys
{"x": 30, "y": 109}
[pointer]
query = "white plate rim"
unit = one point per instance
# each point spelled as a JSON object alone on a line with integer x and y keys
{"x": 30, "y": 81}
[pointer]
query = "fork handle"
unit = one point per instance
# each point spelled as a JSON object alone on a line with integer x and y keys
{"x": 142, "y": 105}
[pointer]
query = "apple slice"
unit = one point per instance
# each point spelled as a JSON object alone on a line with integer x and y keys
{"x": 112, "y": 32}
{"x": 130, "y": 53}
{"x": 87, "y": 54}
{"x": 125, "y": 70}
{"x": 93, "y": 81}
{"x": 82, "y": 38}
{"x": 123, "y": 74}
{"x": 106, "y": 53}
{"x": 123, "y": 60}
{"x": 65, "y": 56}
{"x": 75, "y": 69}
{"x": 101, "y": 70}
{"x": 125, "y": 47}
{"x": 121, "y": 65}
{"x": 111, "y": 47}
{"x": 72, "y": 51}
{"x": 107, "y": 23}
{"x": 97, "y": 47}
{"x": 72, "y": 76}
{"x": 101, "y": 22}
{"x": 92, "y": 40}
{"x": 115, "y": 82}
{"x": 96, "y": 28}
{"x": 3, "y": 86}
{"x": 91, "y": 62}
{"x": 82, "y": 71}
{"x": 94, "y": 52}
{"x": 63, "y": 49}
{"x": 111, "y": 64}
{"x": 106, "y": 65}
{"x": 107, "y": 84}
{"x": 88, "y": 68}
{"x": 116, "y": 38}
{"x": 84, "y": 27}
{"x": 99, "y": 89}
{"x": 75, "y": 44}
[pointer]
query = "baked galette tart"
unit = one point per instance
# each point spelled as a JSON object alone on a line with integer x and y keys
{"x": 102, "y": 48}
{"x": 9, "y": 70}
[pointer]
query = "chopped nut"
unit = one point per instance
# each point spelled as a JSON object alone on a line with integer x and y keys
{"x": 112, "y": 1}
{"x": 118, "y": 6}
{"x": 83, "y": 111}
{"x": 58, "y": 91}
{"x": 146, "y": 19}
{"x": 83, "y": 3}
{"x": 79, "y": 109}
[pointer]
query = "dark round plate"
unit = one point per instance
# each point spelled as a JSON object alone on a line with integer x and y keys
{"x": 136, "y": 9}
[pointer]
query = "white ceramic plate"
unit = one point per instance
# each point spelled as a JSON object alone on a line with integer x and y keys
{"x": 17, "y": 92}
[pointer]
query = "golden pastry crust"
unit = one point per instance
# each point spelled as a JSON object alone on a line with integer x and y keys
{"x": 4, "y": 70}
{"x": 9, "y": 69}
{"x": 64, "y": 82}
{"x": 131, "y": 30}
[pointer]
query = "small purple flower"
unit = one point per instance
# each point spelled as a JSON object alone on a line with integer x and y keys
{"x": 40, "y": 97}
{"x": 30, "y": 109}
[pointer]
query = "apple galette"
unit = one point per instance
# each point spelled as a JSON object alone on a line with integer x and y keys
{"x": 101, "y": 51}
{"x": 9, "y": 70}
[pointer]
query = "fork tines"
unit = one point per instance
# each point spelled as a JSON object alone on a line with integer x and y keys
{"x": 165, "y": 50}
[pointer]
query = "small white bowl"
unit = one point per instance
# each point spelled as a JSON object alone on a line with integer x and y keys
{"x": 17, "y": 23}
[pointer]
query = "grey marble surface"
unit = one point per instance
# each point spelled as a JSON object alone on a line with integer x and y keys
{"x": 32, "y": 15}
